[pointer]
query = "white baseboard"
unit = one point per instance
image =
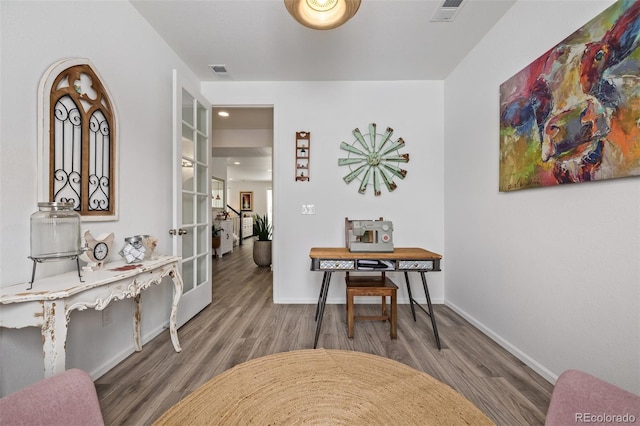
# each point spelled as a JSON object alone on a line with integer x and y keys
{"x": 532, "y": 363}
{"x": 341, "y": 300}
{"x": 122, "y": 355}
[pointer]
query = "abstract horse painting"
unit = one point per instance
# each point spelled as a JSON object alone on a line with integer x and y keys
{"x": 573, "y": 115}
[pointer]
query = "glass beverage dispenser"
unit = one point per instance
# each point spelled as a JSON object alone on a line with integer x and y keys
{"x": 55, "y": 234}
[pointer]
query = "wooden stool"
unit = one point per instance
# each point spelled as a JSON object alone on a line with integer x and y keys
{"x": 372, "y": 286}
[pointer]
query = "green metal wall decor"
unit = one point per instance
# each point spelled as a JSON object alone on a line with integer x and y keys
{"x": 373, "y": 159}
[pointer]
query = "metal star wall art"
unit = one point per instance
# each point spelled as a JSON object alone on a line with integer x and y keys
{"x": 372, "y": 158}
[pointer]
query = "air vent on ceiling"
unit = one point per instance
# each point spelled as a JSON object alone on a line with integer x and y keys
{"x": 451, "y": 3}
{"x": 447, "y": 11}
{"x": 220, "y": 70}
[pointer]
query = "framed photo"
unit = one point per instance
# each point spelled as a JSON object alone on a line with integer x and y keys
{"x": 246, "y": 201}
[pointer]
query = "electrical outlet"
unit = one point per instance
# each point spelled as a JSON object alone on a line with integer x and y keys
{"x": 106, "y": 316}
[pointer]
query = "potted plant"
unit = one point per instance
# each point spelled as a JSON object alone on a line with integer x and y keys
{"x": 215, "y": 237}
{"x": 262, "y": 244}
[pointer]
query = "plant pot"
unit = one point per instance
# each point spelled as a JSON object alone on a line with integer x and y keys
{"x": 215, "y": 242}
{"x": 262, "y": 253}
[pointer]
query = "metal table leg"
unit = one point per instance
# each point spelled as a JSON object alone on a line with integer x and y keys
{"x": 431, "y": 313}
{"x": 321, "y": 303}
{"x": 413, "y": 309}
{"x": 324, "y": 283}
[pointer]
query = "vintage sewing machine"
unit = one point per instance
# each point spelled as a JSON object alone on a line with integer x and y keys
{"x": 369, "y": 235}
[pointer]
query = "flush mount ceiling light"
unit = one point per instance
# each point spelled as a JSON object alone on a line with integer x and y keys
{"x": 322, "y": 14}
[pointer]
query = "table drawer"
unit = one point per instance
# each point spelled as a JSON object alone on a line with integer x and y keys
{"x": 337, "y": 264}
{"x": 415, "y": 264}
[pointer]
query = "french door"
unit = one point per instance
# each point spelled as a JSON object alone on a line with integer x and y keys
{"x": 191, "y": 232}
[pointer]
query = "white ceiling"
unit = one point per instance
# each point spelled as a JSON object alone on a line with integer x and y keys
{"x": 246, "y": 164}
{"x": 257, "y": 40}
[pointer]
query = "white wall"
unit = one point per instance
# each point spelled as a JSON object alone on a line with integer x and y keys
{"x": 330, "y": 111}
{"x": 245, "y": 138}
{"x": 259, "y": 189}
{"x": 137, "y": 66}
{"x": 552, "y": 273}
{"x": 218, "y": 168}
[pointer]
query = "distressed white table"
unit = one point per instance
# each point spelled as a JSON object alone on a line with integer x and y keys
{"x": 49, "y": 304}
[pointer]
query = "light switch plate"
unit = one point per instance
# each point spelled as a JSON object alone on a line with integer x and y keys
{"x": 308, "y": 209}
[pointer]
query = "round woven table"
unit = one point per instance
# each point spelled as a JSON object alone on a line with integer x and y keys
{"x": 327, "y": 387}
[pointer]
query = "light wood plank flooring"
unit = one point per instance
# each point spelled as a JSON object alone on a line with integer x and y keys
{"x": 242, "y": 323}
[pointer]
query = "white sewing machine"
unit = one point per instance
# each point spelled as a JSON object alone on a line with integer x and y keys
{"x": 369, "y": 235}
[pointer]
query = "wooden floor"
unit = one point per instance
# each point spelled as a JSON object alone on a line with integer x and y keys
{"x": 242, "y": 323}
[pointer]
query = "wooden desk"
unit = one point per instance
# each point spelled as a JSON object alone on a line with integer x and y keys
{"x": 49, "y": 304}
{"x": 332, "y": 259}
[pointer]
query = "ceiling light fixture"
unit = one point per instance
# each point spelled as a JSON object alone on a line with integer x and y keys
{"x": 223, "y": 113}
{"x": 322, "y": 14}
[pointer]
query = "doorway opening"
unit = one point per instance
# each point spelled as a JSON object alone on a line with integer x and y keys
{"x": 242, "y": 155}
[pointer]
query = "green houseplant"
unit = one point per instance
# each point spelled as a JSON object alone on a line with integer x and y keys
{"x": 215, "y": 237}
{"x": 261, "y": 227}
{"x": 262, "y": 245}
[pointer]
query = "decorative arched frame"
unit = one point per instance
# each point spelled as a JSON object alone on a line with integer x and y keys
{"x": 77, "y": 135}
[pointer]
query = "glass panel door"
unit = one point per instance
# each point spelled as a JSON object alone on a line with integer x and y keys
{"x": 192, "y": 197}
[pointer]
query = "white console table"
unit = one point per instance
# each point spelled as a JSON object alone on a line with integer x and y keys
{"x": 50, "y": 302}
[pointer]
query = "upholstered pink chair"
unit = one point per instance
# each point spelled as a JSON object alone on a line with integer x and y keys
{"x": 66, "y": 399}
{"x": 579, "y": 398}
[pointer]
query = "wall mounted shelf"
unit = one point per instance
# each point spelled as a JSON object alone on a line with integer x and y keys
{"x": 303, "y": 147}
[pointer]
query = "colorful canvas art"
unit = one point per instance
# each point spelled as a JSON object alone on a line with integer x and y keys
{"x": 573, "y": 115}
